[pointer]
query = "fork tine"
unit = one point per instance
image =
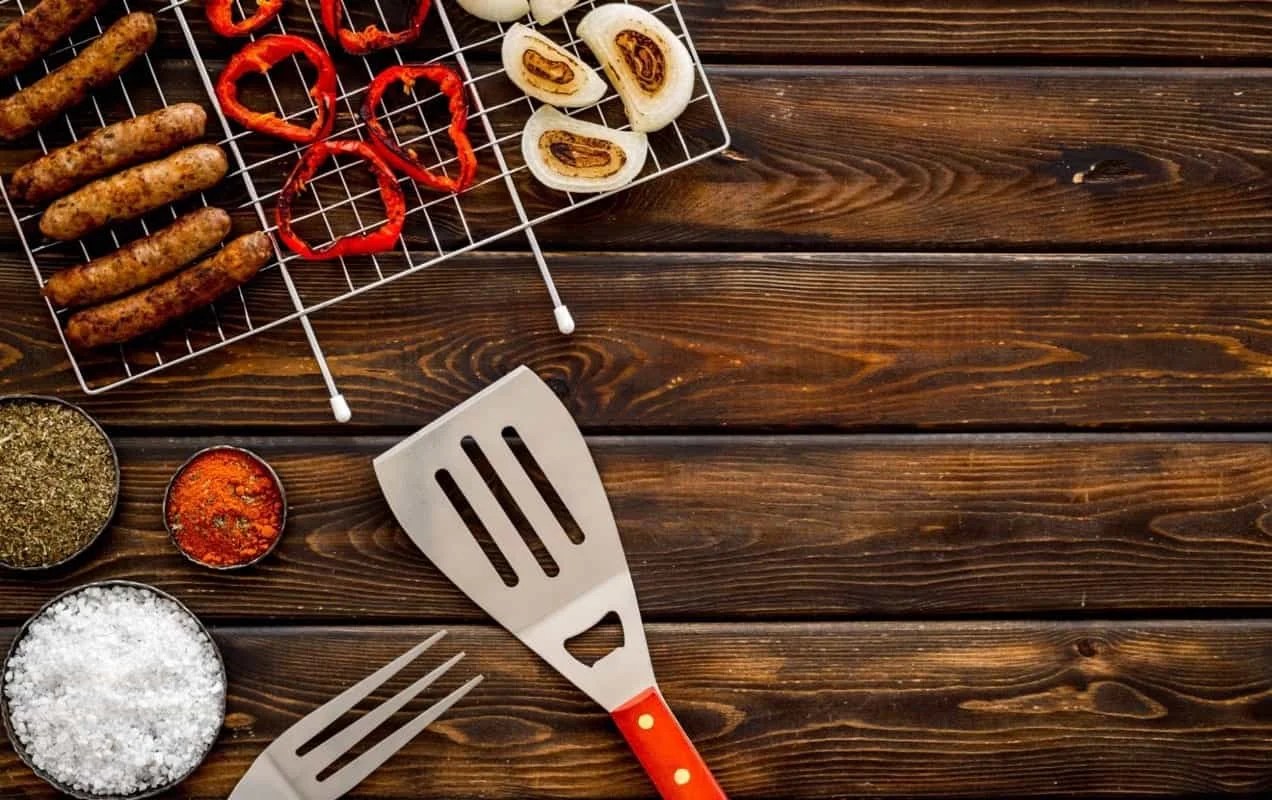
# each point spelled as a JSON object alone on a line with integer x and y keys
{"x": 362, "y": 766}
{"x": 339, "y": 744}
{"x": 338, "y": 706}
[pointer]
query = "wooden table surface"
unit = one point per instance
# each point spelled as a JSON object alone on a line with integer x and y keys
{"x": 935, "y": 415}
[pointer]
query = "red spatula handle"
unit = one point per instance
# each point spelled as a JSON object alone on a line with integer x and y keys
{"x": 664, "y": 750}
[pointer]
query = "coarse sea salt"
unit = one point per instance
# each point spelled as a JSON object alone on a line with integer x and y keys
{"x": 115, "y": 690}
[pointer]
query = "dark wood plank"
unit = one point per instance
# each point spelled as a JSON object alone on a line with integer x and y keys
{"x": 729, "y": 528}
{"x": 928, "y": 158}
{"x": 804, "y": 711}
{"x": 994, "y": 158}
{"x": 737, "y": 342}
{"x": 853, "y": 30}
{"x": 1076, "y": 30}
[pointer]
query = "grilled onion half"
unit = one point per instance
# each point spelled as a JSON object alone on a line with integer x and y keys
{"x": 548, "y": 72}
{"x": 648, "y": 65}
{"x": 546, "y": 11}
{"x": 575, "y": 156}
{"x": 497, "y": 10}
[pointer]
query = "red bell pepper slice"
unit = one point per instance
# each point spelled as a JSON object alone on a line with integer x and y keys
{"x": 371, "y": 38}
{"x": 376, "y": 241}
{"x": 406, "y": 159}
{"x": 260, "y": 56}
{"x": 221, "y": 17}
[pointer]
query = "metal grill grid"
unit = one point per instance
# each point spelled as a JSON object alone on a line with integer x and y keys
{"x": 504, "y": 201}
{"x": 25, "y": 223}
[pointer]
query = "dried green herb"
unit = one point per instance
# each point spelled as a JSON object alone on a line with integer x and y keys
{"x": 57, "y": 482}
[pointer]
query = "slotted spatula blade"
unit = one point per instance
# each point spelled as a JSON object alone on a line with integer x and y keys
{"x": 544, "y": 611}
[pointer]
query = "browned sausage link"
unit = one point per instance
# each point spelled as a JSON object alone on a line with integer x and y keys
{"x": 150, "y": 309}
{"x": 100, "y": 63}
{"x": 35, "y": 32}
{"x": 108, "y": 150}
{"x": 133, "y": 192}
{"x": 140, "y": 263}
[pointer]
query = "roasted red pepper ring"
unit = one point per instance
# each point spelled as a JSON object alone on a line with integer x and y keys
{"x": 221, "y": 17}
{"x": 370, "y": 38}
{"x": 259, "y": 57}
{"x": 356, "y": 244}
{"x": 405, "y": 159}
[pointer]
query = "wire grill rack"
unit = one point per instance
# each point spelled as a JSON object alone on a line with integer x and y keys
{"x": 504, "y": 201}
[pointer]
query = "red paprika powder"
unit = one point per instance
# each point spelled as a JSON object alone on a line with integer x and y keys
{"x": 225, "y": 508}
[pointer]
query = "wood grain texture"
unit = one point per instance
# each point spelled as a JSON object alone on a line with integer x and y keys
{"x": 921, "y": 159}
{"x": 751, "y": 295}
{"x": 723, "y": 528}
{"x": 1156, "y": 31}
{"x": 1076, "y": 30}
{"x": 802, "y": 711}
{"x": 737, "y": 342}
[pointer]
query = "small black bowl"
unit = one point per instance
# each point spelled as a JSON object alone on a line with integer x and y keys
{"x": 4, "y": 696}
{"x": 114, "y": 457}
{"x": 278, "y": 483}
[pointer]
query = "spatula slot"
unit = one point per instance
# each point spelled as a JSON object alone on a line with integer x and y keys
{"x": 531, "y": 465}
{"x": 488, "y": 474}
{"x": 484, "y": 540}
{"x": 598, "y": 641}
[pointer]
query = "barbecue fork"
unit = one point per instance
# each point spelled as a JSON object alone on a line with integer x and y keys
{"x": 280, "y": 774}
{"x": 432, "y": 483}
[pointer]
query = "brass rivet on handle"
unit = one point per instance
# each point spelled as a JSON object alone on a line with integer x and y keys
{"x": 646, "y": 721}
{"x": 682, "y": 776}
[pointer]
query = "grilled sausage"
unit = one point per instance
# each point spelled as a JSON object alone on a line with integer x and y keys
{"x": 35, "y": 32}
{"x": 133, "y": 192}
{"x": 108, "y": 150}
{"x": 140, "y": 263}
{"x": 150, "y": 309}
{"x": 98, "y": 64}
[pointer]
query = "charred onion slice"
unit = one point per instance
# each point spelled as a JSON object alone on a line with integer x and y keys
{"x": 575, "y": 156}
{"x": 548, "y": 72}
{"x": 497, "y": 10}
{"x": 648, "y": 65}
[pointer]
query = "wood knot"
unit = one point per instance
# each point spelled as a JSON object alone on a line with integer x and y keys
{"x": 239, "y": 722}
{"x": 1110, "y": 171}
{"x": 1106, "y": 168}
{"x": 1087, "y": 648}
{"x": 1264, "y": 522}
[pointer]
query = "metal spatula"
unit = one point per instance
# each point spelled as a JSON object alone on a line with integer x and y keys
{"x": 435, "y": 485}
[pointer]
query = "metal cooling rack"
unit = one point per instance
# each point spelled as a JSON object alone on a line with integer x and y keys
{"x": 504, "y": 201}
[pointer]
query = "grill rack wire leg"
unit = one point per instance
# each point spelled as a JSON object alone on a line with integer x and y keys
{"x": 339, "y": 406}
{"x": 564, "y": 320}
